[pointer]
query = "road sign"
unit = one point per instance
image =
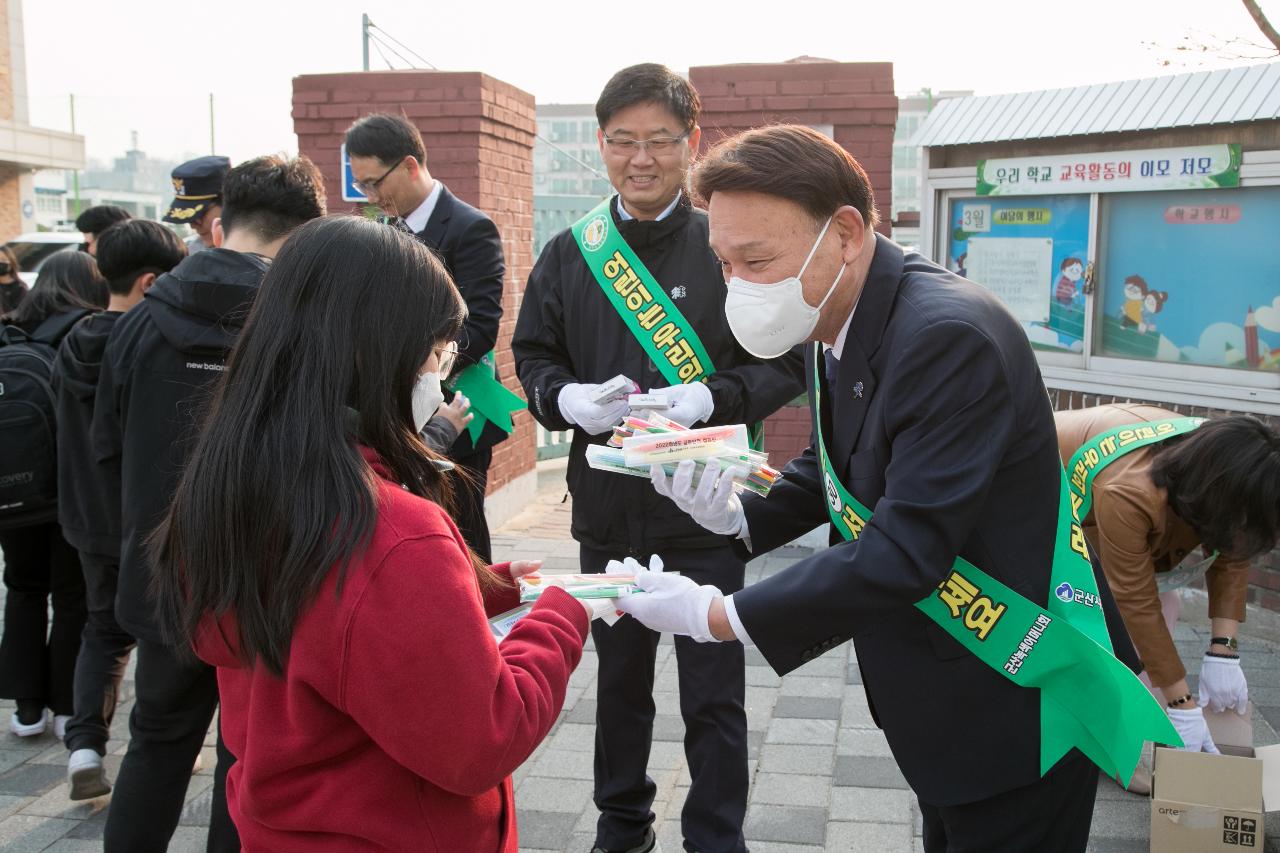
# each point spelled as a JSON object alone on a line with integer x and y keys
{"x": 349, "y": 189}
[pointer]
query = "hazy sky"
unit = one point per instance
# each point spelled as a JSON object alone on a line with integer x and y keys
{"x": 149, "y": 65}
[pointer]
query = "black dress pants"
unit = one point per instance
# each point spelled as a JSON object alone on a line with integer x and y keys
{"x": 175, "y": 702}
{"x": 104, "y": 654}
{"x": 712, "y": 693}
{"x": 468, "y": 499}
{"x": 37, "y": 661}
{"x": 1052, "y": 815}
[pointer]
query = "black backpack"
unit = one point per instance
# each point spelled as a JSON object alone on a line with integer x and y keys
{"x": 28, "y": 443}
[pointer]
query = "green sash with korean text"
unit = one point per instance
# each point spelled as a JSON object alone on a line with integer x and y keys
{"x": 1106, "y": 447}
{"x": 1088, "y": 698}
{"x": 652, "y": 318}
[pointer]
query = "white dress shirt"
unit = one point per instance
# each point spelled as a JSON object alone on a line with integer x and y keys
{"x": 730, "y": 609}
{"x": 418, "y": 219}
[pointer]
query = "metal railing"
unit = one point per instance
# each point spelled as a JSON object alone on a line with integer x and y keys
{"x": 553, "y": 444}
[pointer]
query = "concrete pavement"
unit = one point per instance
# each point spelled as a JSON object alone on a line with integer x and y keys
{"x": 822, "y": 774}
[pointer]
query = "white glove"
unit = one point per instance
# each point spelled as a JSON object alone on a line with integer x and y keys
{"x": 1222, "y": 685}
{"x": 599, "y": 608}
{"x": 713, "y": 505}
{"x": 1193, "y": 729}
{"x": 689, "y": 404}
{"x": 594, "y": 418}
{"x": 670, "y": 603}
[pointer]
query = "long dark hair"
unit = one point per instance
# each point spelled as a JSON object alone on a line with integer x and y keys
{"x": 277, "y": 493}
{"x": 68, "y": 280}
{"x": 1224, "y": 480}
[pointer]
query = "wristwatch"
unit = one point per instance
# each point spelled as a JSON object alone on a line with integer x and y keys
{"x": 1229, "y": 642}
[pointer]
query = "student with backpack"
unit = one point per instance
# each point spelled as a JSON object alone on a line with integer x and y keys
{"x": 36, "y": 662}
{"x": 158, "y": 369}
{"x": 130, "y": 256}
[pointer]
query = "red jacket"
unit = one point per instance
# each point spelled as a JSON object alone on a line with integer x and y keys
{"x": 398, "y": 721}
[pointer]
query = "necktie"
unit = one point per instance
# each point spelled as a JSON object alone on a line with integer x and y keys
{"x": 833, "y": 366}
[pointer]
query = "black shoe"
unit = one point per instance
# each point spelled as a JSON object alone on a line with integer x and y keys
{"x": 649, "y": 845}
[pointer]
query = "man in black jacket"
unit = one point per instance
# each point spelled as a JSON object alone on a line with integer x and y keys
{"x": 160, "y": 363}
{"x": 130, "y": 256}
{"x": 568, "y": 339}
{"x": 934, "y": 415}
{"x": 389, "y": 163}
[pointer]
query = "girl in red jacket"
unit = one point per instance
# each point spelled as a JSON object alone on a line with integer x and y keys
{"x": 308, "y": 555}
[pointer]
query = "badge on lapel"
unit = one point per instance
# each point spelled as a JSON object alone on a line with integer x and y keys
{"x": 857, "y": 389}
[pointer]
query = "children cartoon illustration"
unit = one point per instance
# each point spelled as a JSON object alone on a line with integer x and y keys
{"x": 1135, "y": 291}
{"x": 1152, "y": 304}
{"x": 1072, "y": 269}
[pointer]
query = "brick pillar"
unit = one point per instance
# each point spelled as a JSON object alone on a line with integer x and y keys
{"x": 478, "y": 133}
{"x": 855, "y": 99}
{"x": 10, "y": 188}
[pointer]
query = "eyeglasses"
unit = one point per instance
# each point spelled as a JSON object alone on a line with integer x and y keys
{"x": 657, "y": 146}
{"x": 448, "y": 356}
{"x": 371, "y": 187}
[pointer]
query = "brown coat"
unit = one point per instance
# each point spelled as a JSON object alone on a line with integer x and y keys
{"x": 1136, "y": 534}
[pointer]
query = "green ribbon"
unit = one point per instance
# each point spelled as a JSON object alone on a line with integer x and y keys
{"x": 664, "y": 333}
{"x": 491, "y": 401}
{"x": 1088, "y": 698}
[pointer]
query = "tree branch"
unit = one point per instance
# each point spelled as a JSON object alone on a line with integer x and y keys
{"x": 1260, "y": 18}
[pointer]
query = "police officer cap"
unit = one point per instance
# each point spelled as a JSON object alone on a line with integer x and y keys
{"x": 197, "y": 185}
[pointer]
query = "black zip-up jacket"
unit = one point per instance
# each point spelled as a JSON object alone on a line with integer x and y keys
{"x": 161, "y": 361}
{"x": 88, "y": 493}
{"x": 568, "y": 332}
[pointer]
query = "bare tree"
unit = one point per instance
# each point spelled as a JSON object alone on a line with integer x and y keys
{"x": 1200, "y": 48}
{"x": 1260, "y": 18}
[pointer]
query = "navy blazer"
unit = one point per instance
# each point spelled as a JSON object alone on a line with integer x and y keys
{"x": 939, "y": 422}
{"x": 469, "y": 244}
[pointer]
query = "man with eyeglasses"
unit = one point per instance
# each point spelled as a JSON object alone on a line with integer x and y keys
{"x": 389, "y": 164}
{"x": 661, "y": 324}
{"x": 197, "y": 201}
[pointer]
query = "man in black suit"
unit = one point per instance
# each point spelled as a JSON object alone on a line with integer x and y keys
{"x": 389, "y": 163}
{"x": 936, "y": 417}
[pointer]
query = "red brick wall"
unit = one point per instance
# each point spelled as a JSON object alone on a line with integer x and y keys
{"x": 855, "y": 98}
{"x": 1264, "y": 579}
{"x": 479, "y": 135}
{"x": 786, "y": 434}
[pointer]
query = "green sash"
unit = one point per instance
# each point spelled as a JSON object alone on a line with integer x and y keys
{"x": 1103, "y": 449}
{"x": 657, "y": 324}
{"x": 1088, "y": 699}
{"x": 491, "y": 402}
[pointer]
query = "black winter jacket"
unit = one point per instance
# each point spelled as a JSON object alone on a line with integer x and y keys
{"x": 161, "y": 362}
{"x": 568, "y": 331}
{"x": 88, "y": 492}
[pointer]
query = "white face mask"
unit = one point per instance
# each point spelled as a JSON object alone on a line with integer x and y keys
{"x": 769, "y": 319}
{"x": 427, "y": 397}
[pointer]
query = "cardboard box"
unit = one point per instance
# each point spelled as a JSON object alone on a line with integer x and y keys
{"x": 1202, "y": 803}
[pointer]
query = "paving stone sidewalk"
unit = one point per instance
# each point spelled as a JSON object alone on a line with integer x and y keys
{"x": 822, "y": 777}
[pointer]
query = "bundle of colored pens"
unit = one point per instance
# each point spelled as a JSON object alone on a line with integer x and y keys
{"x": 641, "y": 442}
{"x": 579, "y": 586}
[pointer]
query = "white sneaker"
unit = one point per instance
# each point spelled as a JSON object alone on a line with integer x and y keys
{"x": 60, "y": 725}
{"x": 87, "y": 776}
{"x": 28, "y": 729}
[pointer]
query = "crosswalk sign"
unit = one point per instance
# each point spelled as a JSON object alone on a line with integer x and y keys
{"x": 350, "y": 192}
